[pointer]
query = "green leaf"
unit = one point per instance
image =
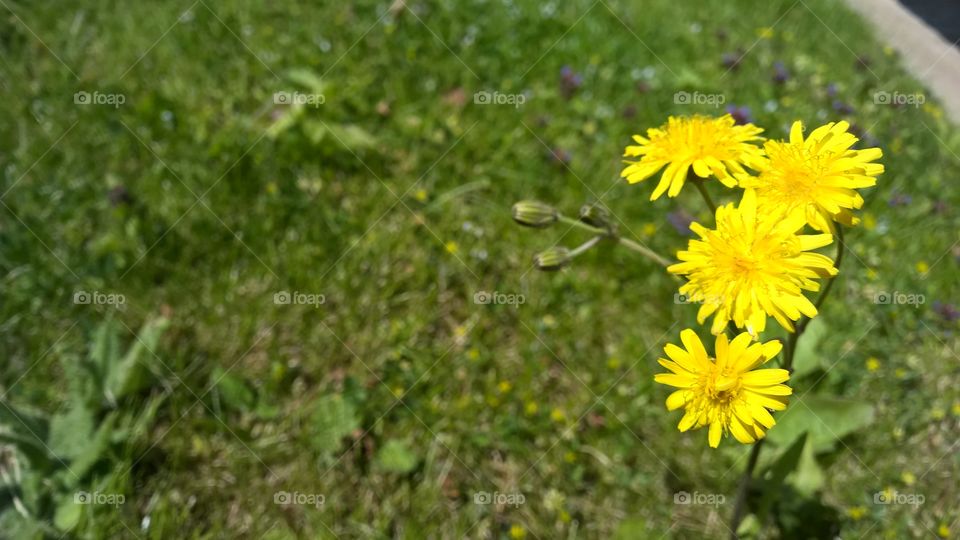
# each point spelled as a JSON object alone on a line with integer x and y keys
{"x": 307, "y": 79}
{"x": 233, "y": 390}
{"x": 67, "y": 514}
{"x": 71, "y": 433}
{"x": 826, "y": 419}
{"x": 126, "y": 375}
{"x": 395, "y": 456}
{"x": 88, "y": 456}
{"x": 333, "y": 418}
{"x": 806, "y": 358}
{"x": 809, "y": 477}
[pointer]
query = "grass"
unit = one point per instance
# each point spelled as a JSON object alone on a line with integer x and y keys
{"x": 399, "y": 398}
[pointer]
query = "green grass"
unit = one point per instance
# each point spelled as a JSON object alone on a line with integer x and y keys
{"x": 554, "y": 398}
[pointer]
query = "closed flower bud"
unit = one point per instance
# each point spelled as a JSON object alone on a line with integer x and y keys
{"x": 595, "y": 215}
{"x": 534, "y": 214}
{"x": 551, "y": 259}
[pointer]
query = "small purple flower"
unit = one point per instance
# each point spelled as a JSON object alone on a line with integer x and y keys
{"x": 899, "y": 199}
{"x": 731, "y": 60}
{"x": 570, "y": 82}
{"x": 681, "y": 220}
{"x": 119, "y": 195}
{"x": 741, "y": 115}
{"x": 780, "y": 73}
{"x": 559, "y": 156}
{"x": 842, "y": 107}
{"x": 947, "y": 312}
{"x": 832, "y": 90}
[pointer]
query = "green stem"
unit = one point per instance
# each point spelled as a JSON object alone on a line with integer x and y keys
{"x": 702, "y": 188}
{"x": 802, "y": 325}
{"x": 740, "y": 504}
{"x": 744, "y": 487}
{"x": 625, "y": 242}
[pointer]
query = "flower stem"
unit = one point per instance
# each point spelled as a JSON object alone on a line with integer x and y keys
{"x": 625, "y": 242}
{"x": 802, "y": 325}
{"x": 742, "y": 490}
{"x": 702, "y": 188}
{"x": 740, "y": 503}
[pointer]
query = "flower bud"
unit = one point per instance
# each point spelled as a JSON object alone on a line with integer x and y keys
{"x": 595, "y": 215}
{"x": 551, "y": 259}
{"x": 534, "y": 214}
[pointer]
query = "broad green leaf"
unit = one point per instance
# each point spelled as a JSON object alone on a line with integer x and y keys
{"x": 806, "y": 358}
{"x": 71, "y": 432}
{"x": 809, "y": 477}
{"x": 86, "y": 458}
{"x": 67, "y": 514}
{"x": 826, "y": 419}
{"x": 23, "y": 420}
{"x": 332, "y": 419}
{"x": 396, "y": 456}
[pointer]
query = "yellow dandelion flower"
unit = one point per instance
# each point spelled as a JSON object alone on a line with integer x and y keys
{"x": 708, "y": 146}
{"x": 817, "y": 177}
{"x": 943, "y": 530}
{"x": 726, "y": 391}
{"x": 518, "y": 532}
{"x": 753, "y": 265}
{"x": 873, "y": 364}
{"x": 922, "y": 267}
{"x": 452, "y": 247}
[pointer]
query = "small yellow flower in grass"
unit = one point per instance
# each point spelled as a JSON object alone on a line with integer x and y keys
{"x": 710, "y": 146}
{"x": 908, "y": 478}
{"x": 518, "y": 532}
{"x": 504, "y": 387}
{"x": 752, "y": 266}
{"x": 557, "y": 415}
{"x": 531, "y": 408}
{"x": 816, "y": 177}
{"x": 956, "y": 408}
{"x": 420, "y": 195}
{"x": 943, "y": 531}
{"x": 873, "y": 364}
{"x": 765, "y": 32}
{"x": 452, "y": 247}
{"x": 726, "y": 391}
{"x": 922, "y": 267}
{"x": 856, "y": 513}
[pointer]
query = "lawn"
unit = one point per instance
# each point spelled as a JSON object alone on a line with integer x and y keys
{"x": 302, "y": 289}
